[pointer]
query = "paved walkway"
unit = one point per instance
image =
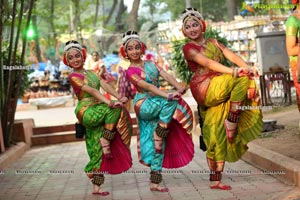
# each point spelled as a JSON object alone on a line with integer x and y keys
{"x": 56, "y": 172}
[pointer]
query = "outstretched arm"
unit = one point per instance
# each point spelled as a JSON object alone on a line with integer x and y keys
{"x": 211, "y": 64}
{"x": 231, "y": 56}
{"x": 109, "y": 89}
{"x": 151, "y": 88}
{"x": 95, "y": 93}
{"x": 206, "y": 62}
{"x": 170, "y": 79}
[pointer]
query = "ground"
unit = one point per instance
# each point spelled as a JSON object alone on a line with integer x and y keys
{"x": 284, "y": 141}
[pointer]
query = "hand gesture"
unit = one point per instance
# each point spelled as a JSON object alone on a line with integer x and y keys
{"x": 182, "y": 90}
{"x": 253, "y": 72}
{"x": 115, "y": 104}
{"x": 123, "y": 99}
{"x": 174, "y": 96}
{"x": 242, "y": 72}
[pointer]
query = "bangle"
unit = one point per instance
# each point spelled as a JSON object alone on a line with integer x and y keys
{"x": 170, "y": 97}
{"x": 235, "y": 72}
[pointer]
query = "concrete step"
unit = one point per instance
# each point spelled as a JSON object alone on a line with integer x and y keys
{"x": 60, "y": 134}
{"x": 53, "y": 129}
{"x": 54, "y": 138}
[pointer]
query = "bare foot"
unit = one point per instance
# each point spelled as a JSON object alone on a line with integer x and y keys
{"x": 97, "y": 191}
{"x": 157, "y": 187}
{"x": 219, "y": 185}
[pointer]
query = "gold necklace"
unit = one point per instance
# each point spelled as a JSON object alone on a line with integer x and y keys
{"x": 199, "y": 43}
{"x": 139, "y": 64}
{"x": 86, "y": 74}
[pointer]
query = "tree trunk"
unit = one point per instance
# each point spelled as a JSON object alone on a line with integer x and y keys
{"x": 119, "y": 23}
{"x": 2, "y": 146}
{"x": 112, "y": 10}
{"x": 2, "y": 97}
{"x": 131, "y": 20}
{"x": 36, "y": 39}
{"x": 231, "y": 9}
{"x": 16, "y": 77}
{"x": 52, "y": 21}
{"x": 10, "y": 81}
{"x": 76, "y": 21}
{"x": 96, "y": 14}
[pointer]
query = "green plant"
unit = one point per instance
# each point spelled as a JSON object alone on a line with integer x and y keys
{"x": 15, "y": 70}
{"x": 182, "y": 70}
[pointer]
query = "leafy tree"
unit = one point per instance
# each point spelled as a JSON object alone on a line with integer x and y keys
{"x": 214, "y": 10}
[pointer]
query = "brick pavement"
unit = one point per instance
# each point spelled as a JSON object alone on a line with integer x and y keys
{"x": 56, "y": 172}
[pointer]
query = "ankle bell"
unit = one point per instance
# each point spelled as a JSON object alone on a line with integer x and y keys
{"x": 161, "y": 132}
{"x": 155, "y": 177}
{"x": 98, "y": 179}
{"x": 108, "y": 134}
{"x": 215, "y": 176}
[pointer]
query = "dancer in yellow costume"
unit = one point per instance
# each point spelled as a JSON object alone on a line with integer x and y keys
{"x": 221, "y": 92}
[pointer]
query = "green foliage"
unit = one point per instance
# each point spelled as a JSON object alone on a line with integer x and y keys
{"x": 179, "y": 63}
{"x": 215, "y": 10}
{"x": 182, "y": 70}
{"x": 15, "y": 70}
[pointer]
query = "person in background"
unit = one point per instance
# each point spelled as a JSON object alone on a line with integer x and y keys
{"x": 220, "y": 92}
{"x": 164, "y": 119}
{"x": 95, "y": 61}
{"x": 99, "y": 68}
{"x": 88, "y": 60}
{"x": 108, "y": 125}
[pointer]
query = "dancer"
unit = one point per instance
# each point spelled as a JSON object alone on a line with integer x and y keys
{"x": 293, "y": 47}
{"x": 108, "y": 126}
{"x": 164, "y": 119}
{"x": 220, "y": 92}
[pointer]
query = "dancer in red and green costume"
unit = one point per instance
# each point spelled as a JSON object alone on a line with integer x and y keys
{"x": 108, "y": 125}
